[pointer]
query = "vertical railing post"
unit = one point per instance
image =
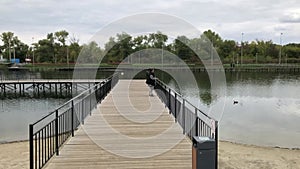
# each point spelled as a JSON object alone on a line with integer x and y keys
{"x": 31, "y": 146}
{"x": 100, "y": 92}
{"x": 196, "y": 122}
{"x": 216, "y": 140}
{"x": 82, "y": 111}
{"x": 90, "y": 96}
{"x": 183, "y": 115}
{"x": 97, "y": 94}
{"x": 169, "y": 101}
{"x": 56, "y": 133}
{"x": 175, "y": 106}
{"x": 72, "y": 118}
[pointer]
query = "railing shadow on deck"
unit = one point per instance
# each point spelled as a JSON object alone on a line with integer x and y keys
{"x": 193, "y": 121}
{"x": 49, "y": 133}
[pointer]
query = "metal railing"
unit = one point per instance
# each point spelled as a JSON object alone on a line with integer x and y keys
{"x": 49, "y": 133}
{"x": 193, "y": 121}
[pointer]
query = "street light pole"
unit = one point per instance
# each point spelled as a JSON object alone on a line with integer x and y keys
{"x": 242, "y": 48}
{"x": 162, "y": 55}
{"x": 256, "y": 57}
{"x": 280, "y": 48}
{"x": 211, "y": 54}
{"x": 32, "y": 51}
{"x": 9, "y": 54}
{"x": 68, "y": 57}
{"x": 14, "y": 55}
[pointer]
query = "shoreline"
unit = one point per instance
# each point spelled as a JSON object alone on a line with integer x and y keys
{"x": 15, "y": 155}
{"x": 260, "y": 146}
{"x": 220, "y": 141}
{"x": 10, "y": 142}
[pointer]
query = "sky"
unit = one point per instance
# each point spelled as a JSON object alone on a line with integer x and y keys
{"x": 31, "y": 20}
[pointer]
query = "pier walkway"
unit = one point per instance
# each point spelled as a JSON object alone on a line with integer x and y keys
{"x": 145, "y": 136}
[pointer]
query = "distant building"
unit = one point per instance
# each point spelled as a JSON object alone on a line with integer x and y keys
{"x": 16, "y": 61}
{"x": 2, "y": 60}
{"x": 28, "y": 60}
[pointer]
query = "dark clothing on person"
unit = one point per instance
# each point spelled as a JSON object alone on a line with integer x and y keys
{"x": 150, "y": 78}
{"x": 150, "y": 81}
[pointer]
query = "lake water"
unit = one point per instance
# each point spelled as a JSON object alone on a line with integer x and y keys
{"x": 17, "y": 114}
{"x": 267, "y": 113}
{"x": 268, "y": 109}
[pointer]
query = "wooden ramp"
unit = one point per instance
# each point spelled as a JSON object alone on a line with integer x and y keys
{"x": 129, "y": 129}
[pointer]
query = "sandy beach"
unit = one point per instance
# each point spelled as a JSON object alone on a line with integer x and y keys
{"x": 231, "y": 156}
{"x": 14, "y": 155}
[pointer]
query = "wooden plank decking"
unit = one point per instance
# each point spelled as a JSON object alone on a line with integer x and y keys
{"x": 146, "y": 135}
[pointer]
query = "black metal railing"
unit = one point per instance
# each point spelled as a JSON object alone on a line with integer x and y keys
{"x": 193, "y": 121}
{"x": 49, "y": 133}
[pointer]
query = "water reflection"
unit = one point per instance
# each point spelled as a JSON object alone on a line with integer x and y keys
{"x": 268, "y": 109}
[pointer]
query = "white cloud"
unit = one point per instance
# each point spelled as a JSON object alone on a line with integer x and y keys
{"x": 256, "y": 18}
{"x": 291, "y": 16}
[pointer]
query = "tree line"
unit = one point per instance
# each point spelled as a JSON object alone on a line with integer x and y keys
{"x": 59, "y": 47}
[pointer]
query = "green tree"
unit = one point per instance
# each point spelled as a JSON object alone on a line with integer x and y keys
{"x": 90, "y": 53}
{"x": 125, "y": 46}
{"x": 111, "y": 51}
{"x": 292, "y": 51}
{"x": 60, "y": 38}
{"x": 13, "y": 46}
{"x": 74, "y": 48}
{"x": 157, "y": 40}
{"x": 181, "y": 49}
{"x": 228, "y": 50}
{"x": 214, "y": 38}
{"x": 117, "y": 49}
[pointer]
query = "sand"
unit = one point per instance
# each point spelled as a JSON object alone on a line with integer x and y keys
{"x": 14, "y": 155}
{"x": 231, "y": 156}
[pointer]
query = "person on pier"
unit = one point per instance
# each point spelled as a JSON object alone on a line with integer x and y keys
{"x": 150, "y": 80}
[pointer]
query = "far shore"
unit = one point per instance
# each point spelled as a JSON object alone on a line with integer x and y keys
{"x": 66, "y": 66}
{"x": 15, "y": 155}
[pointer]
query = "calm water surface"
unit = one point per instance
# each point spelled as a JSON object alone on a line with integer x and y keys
{"x": 268, "y": 109}
{"x": 267, "y": 113}
{"x": 17, "y": 114}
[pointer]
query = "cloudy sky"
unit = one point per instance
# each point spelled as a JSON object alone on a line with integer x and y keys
{"x": 257, "y": 19}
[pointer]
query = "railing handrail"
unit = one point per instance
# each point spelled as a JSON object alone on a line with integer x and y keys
{"x": 190, "y": 121}
{"x": 178, "y": 94}
{"x": 46, "y": 139}
{"x": 69, "y": 101}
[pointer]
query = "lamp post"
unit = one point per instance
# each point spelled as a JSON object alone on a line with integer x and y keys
{"x": 242, "y": 48}
{"x": 9, "y": 54}
{"x": 14, "y": 54}
{"x": 68, "y": 57}
{"x": 162, "y": 55}
{"x": 256, "y": 57}
{"x": 32, "y": 51}
{"x": 211, "y": 54}
{"x": 280, "y": 50}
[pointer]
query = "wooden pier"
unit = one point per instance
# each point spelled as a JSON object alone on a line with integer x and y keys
{"x": 84, "y": 151}
{"x": 46, "y": 86}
